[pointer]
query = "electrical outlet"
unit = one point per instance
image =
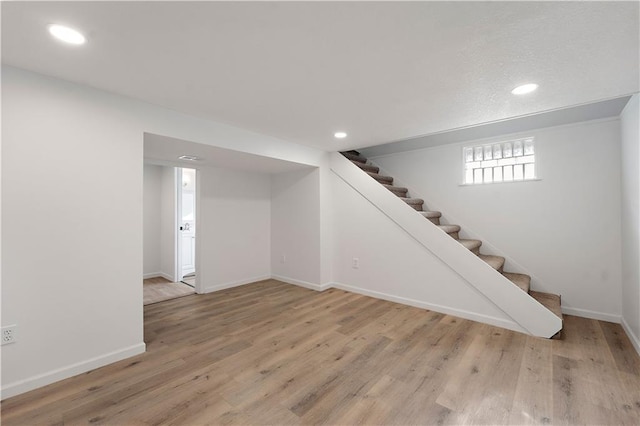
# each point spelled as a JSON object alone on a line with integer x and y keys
{"x": 283, "y": 259}
{"x": 9, "y": 334}
{"x": 355, "y": 264}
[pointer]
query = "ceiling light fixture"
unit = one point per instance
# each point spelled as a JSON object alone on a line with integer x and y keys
{"x": 66, "y": 34}
{"x": 524, "y": 89}
{"x": 339, "y": 135}
{"x": 189, "y": 158}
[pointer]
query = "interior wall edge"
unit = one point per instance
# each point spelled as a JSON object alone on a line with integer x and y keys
{"x": 231, "y": 284}
{"x": 635, "y": 340}
{"x": 586, "y": 313}
{"x": 485, "y": 319}
{"x": 301, "y": 283}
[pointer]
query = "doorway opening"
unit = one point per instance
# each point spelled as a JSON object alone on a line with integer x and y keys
{"x": 167, "y": 260}
{"x": 186, "y": 225}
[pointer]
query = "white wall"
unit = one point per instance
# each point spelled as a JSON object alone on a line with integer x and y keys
{"x": 72, "y": 176}
{"x": 631, "y": 220}
{"x": 151, "y": 221}
{"x": 159, "y": 221}
{"x": 564, "y": 230}
{"x": 295, "y": 227}
{"x": 234, "y": 225}
{"x": 326, "y": 222}
{"x": 234, "y": 228}
{"x": 72, "y": 211}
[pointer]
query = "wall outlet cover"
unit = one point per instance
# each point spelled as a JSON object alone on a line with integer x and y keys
{"x": 9, "y": 334}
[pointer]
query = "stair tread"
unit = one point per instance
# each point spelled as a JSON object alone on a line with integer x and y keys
{"x": 366, "y": 167}
{"x": 549, "y": 301}
{"x": 431, "y": 214}
{"x": 380, "y": 177}
{"x": 410, "y": 200}
{"x": 354, "y": 157}
{"x": 470, "y": 244}
{"x": 449, "y": 228}
{"x": 496, "y": 262}
{"x": 521, "y": 280}
{"x": 395, "y": 188}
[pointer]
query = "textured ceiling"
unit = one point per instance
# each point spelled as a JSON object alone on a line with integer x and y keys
{"x": 381, "y": 71}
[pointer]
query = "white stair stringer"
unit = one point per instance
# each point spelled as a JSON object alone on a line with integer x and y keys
{"x": 523, "y": 310}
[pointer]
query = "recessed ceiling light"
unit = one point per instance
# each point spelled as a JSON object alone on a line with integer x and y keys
{"x": 339, "y": 135}
{"x": 189, "y": 158}
{"x": 524, "y": 89}
{"x": 66, "y": 34}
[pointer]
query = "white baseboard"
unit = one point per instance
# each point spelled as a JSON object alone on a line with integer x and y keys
{"x": 158, "y": 274}
{"x": 498, "y": 322}
{"x": 232, "y": 284}
{"x": 16, "y": 388}
{"x": 585, "y": 313}
{"x": 305, "y": 284}
{"x": 635, "y": 341}
{"x": 168, "y": 277}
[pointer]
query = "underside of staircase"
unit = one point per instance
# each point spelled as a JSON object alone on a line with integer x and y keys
{"x": 523, "y": 281}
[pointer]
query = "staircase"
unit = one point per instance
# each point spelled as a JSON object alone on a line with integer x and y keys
{"x": 549, "y": 301}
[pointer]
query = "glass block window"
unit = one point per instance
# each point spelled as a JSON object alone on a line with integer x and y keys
{"x": 500, "y": 162}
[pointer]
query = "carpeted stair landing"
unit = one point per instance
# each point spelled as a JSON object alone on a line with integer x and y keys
{"x": 550, "y": 301}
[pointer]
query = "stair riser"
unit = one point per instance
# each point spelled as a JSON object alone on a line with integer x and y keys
{"x": 435, "y": 220}
{"x": 402, "y": 194}
{"x": 355, "y": 158}
{"x": 471, "y": 245}
{"x": 417, "y": 207}
{"x": 521, "y": 280}
{"x": 454, "y": 235}
{"x": 367, "y": 167}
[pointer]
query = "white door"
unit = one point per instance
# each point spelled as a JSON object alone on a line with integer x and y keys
{"x": 186, "y": 203}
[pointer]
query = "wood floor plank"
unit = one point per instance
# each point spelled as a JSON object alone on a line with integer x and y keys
{"x": 426, "y": 371}
{"x": 533, "y": 403}
{"x": 372, "y": 409}
{"x": 619, "y": 343}
{"x": 160, "y": 289}
{"x": 273, "y": 353}
{"x": 363, "y": 317}
{"x": 568, "y": 407}
{"x": 485, "y": 380}
{"x": 356, "y": 355}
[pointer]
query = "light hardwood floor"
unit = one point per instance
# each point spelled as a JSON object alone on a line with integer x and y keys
{"x": 160, "y": 289}
{"x": 273, "y": 353}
